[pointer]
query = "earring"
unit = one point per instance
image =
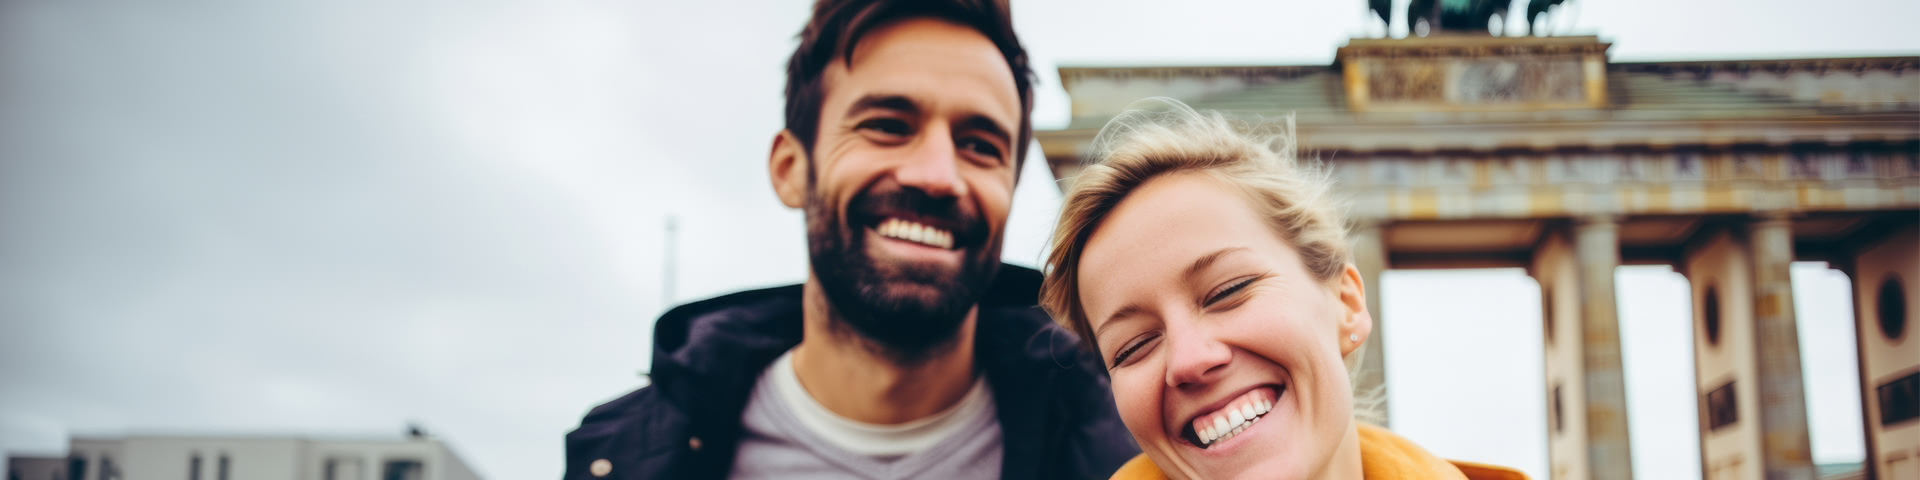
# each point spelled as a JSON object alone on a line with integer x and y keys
{"x": 1353, "y": 337}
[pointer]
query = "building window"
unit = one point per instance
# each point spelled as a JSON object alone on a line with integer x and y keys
{"x": 107, "y": 470}
{"x": 404, "y": 469}
{"x": 1892, "y": 308}
{"x": 343, "y": 468}
{"x": 226, "y": 468}
{"x": 1723, "y": 408}
{"x": 77, "y": 468}
{"x": 1710, "y": 315}
{"x": 1899, "y": 399}
{"x": 193, "y": 467}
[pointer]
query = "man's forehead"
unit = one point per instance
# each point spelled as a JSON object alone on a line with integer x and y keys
{"x": 923, "y": 35}
{"x": 924, "y": 59}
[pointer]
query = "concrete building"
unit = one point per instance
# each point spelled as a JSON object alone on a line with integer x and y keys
{"x": 1476, "y": 151}
{"x": 164, "y": 457}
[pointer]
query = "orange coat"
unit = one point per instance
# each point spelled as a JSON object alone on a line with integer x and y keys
{"x": 1383, "y": 456}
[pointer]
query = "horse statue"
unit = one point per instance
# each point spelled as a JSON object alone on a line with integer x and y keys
{"x": 1457, "y": 16}
{"x": 1537, "y": 7}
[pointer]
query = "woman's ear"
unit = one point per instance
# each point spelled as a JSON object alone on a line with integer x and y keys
{"x": 1356, "y": 323}
{"x": 789, "y": 168}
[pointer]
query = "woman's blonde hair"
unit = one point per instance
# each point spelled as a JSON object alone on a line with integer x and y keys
{"x": 1146, "y": 143}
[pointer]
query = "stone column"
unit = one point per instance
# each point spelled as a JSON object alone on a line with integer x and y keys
{"x": 1370, "y": 257}
{"x": 1846, "y": 266}
{"x": 1886, "y": 277}
{"x": 1785, "y": 449}
{"x": 1597, "y": 247}
{"x": 1557, "y": 269}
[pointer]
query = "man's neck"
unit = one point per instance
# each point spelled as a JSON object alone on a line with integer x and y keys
{"x": 860, "y": 381}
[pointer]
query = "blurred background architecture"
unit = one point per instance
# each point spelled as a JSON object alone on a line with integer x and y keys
{"x": 1461, "y": 149}
{"x": 216, "y": 457}
{"x": 318, "y": 219}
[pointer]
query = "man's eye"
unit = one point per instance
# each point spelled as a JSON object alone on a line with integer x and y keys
{"x": 981, "y": 147}
{"x": 888, "y": 126}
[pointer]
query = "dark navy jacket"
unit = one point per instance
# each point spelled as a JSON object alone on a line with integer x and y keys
{"x": 1056, "y": 412}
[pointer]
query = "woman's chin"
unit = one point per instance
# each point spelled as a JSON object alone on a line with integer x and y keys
{"x": 1278, "y": 447}
{"x": 1255, "y": 453}
{"x": 1273, "y": 467}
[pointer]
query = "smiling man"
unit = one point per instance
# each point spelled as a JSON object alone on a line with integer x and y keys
{"x": 910, "y": 351}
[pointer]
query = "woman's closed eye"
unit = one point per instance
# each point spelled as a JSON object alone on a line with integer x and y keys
{"x": 1127, "y": 351}
{"x": 1229, "y": 290}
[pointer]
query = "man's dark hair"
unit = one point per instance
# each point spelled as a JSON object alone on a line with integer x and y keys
{"x": 837, "y": 25}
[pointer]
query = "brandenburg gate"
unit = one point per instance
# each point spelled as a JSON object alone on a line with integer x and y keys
{"x": 1540, "y": 153}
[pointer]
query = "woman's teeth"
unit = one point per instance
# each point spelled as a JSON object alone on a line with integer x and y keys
{"x": 915, "y": 232}
{"x": 1225, "y": 424}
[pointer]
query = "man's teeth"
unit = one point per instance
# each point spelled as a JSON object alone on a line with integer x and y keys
{"x": 1232, "y": 421}
{"x": 915, "y": 232}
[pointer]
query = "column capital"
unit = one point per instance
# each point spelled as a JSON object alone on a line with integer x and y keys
{"x": 1843, "y": 265}
{"x": 1770, "y": 216}
{"x": 1609, "y": 220}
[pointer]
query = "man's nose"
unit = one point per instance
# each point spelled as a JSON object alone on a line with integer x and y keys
{"x": 932, "y": 165}
{"x": 1195, "y": 356}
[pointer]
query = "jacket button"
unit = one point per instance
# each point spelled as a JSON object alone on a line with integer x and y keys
{"x": 600, "y": 468}
{"x": 694, "y": 443}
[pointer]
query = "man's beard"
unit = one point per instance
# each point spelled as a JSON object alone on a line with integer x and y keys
{"x": 905, "y": 309}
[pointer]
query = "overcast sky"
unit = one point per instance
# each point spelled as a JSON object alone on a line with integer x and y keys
{"x": 332, "y": 218}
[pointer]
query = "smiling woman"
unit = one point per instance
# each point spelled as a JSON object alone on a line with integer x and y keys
{"x": 1210, "y": 271}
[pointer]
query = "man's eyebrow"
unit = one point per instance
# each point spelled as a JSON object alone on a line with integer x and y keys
{"x": 897, "y": 103}
{"x": 984, "y": 124}
{"x": 1201, "y": 264}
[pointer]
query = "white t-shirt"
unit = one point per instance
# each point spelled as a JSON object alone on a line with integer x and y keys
{"x": 788, "y": 434}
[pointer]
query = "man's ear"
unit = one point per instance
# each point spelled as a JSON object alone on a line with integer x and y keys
{"x": 788, "y": 164}
{"x": 1356, "y": 323}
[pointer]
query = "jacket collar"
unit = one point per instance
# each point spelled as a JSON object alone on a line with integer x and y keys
{"x": 708, "y": 354}
{"x": 1383, "y": 456}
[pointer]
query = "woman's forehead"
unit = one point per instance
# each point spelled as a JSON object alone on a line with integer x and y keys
{"x": 1153, "y": 236}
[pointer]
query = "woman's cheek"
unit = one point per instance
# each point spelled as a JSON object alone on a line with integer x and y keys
{"x": 1138, "y": 401}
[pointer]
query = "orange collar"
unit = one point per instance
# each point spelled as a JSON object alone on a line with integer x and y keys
{"x": 1383, "y": 456}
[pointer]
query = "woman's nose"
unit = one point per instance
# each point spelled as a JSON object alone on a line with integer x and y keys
{"x": 1194, "y": 356}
